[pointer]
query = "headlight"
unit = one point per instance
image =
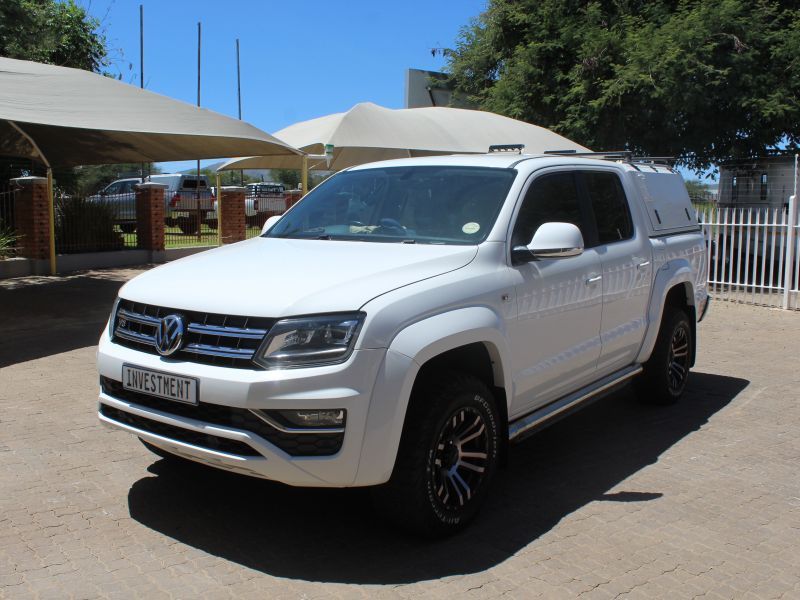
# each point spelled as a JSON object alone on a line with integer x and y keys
{"x": 310, "y": 341}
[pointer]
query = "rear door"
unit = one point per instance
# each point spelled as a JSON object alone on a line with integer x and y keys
{"x": 625, "y": 255}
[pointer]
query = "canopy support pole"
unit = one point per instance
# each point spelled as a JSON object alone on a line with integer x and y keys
{"x": 304, "y": 176}
{"x": 51, "y": 209}
{"x": 219, "y": 209}
{"x": 50, "y": 202}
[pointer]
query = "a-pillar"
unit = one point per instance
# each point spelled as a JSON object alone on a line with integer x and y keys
{"x": 150, "y": 219}
{"x": 231, "y": 215}
{"x": 32, "y": 217}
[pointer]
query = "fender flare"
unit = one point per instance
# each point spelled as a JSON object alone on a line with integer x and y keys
{"x": 675, "y": 272}
{"x": 410, "y": 349}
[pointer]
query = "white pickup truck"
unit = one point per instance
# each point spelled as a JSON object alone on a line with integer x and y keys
{"x": 406, "y": 320}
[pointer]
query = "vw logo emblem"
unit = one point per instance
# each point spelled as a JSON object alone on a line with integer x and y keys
{"x": 169, "y": 334}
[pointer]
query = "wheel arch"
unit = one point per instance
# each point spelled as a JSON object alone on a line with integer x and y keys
{"x": 468, "y": 339}
{"x": 673, "y": 287}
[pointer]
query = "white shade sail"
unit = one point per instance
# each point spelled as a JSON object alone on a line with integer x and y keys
{"x": 71, "y": 117}
{"x": 369, "y": 132}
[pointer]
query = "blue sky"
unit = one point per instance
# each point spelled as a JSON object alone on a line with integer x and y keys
{"x": 300, "y": 60}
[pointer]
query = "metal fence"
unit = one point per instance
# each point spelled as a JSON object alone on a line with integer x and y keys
{"x": 8, "y": 234}
{"x": 190, "y": 219}
{"x": 260, "y": 206}
{"x": 754, "y": 255}
{"x": 98, "y": 223}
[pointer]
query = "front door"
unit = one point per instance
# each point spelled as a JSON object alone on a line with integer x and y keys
{"x": 555, "y": 341}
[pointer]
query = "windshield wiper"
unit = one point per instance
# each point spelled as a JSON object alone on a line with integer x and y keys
{"x": 323, "y": 237}
{"x": 408, "y": 241}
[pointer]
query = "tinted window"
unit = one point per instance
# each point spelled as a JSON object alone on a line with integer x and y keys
{"x": 610, "y": 207}
{"x": 550, "y": 198}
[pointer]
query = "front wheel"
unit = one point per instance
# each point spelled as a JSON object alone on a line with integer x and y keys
{"x": 447, "y": 457}
{"x": 667, "y": 371}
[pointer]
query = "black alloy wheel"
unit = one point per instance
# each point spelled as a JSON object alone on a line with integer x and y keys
{"x": 460, "y": 458}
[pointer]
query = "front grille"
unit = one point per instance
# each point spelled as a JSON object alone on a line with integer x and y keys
{"x": 195, "y": 438}
{"x": 294, "y": 444}
{"x": 222, "y": 340}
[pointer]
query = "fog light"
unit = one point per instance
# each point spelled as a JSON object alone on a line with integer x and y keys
{"x": 333, "y": 417}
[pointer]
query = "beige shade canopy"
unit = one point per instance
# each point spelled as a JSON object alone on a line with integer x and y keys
{"x": 368, "y": 132}
{"x": 70, "y": 117}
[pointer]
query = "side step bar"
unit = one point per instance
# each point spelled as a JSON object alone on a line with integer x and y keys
{"x": 548, "y": 414}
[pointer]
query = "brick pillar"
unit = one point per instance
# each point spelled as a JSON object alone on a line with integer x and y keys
{"x": 32, "y": 217}
{"x": 292, "y": 197}
{"x": 150, "y": 216}
{"x": 231, "y": 215}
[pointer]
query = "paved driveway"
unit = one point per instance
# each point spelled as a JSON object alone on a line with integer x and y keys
{"x": 697, "y": 500}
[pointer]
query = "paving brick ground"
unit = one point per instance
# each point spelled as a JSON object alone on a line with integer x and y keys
{"x": 697, "y": 500}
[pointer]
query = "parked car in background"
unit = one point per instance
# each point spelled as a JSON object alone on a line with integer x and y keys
{"x": 189, "y": 201}
{"x": 120, "y": 196}
{"x": 262, "y": 200}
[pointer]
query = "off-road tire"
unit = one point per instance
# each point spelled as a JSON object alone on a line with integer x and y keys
{"x": 449, "y": 414}
{"x": 188, "y": 225}
{"x": 667, "y": 371}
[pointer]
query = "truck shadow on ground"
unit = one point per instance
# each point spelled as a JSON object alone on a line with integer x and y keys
{"x": 49, "y": 316}
{"x": 335, "y": 535}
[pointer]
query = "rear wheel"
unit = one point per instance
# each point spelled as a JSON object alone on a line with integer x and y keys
{"x": 447, "y": 457}
{"x": 188, "y": 225}
{"x": 667, "y": 371}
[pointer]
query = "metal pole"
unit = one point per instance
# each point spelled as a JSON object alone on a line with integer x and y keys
{"x": 219, "y": 209}
{"x": 51, "y": 208}
{"x": 197, "y": 183}
{"x": 141, "y": 61}
{"x": 304, "y": 176}
{"x": 791, "y": 237}
{"x": 239, "y": 99}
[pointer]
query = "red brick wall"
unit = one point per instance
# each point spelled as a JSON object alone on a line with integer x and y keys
{"x": 32, "y": 216}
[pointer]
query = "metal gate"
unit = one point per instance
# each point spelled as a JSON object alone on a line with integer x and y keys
{"x": 754, "y": 254}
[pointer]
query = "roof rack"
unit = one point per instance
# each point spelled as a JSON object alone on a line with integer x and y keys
{"x": 619, "y": 155}
{"x": 518, "y": 148}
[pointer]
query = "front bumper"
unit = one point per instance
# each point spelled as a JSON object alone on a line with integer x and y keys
{"x": 234, "y": 445}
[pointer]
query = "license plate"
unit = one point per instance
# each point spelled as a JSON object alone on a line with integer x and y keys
{"x": 161, "y": 385}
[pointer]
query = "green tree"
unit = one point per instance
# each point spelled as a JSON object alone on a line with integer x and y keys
{"x": 701, "y": 80}
{"x": 291, "y": 178}
{"x": 59, "y": 33}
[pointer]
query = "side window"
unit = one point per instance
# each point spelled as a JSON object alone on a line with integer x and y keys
{"x": 113, "y": 188}
{"x": 610, "y": 207}
{"x": 550, "y": 198}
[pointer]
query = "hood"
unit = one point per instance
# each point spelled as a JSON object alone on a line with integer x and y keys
{"x": 273, "y": 277}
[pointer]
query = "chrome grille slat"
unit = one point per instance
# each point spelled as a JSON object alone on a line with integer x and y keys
{"x": 225, "y": 340}
{"x": 135, "y": 337}
{"x": 138, "y": 318}
{"x": 218, "y": 351}
{"x": 233, "y": 332}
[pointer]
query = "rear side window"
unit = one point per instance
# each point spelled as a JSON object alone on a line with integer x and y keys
{"x": 610, "y": 207}
{"x": 550, "y": 198}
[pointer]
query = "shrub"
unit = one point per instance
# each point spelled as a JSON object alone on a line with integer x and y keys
{"x": 85, "y": 226}
{"x": 8, "y": 241}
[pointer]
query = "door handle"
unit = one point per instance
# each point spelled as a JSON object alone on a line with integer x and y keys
{"x": 642, "y": 265}
{"x": 593, "y": 279}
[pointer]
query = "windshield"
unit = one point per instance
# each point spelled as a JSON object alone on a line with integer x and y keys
{"x": 421, "y": 204}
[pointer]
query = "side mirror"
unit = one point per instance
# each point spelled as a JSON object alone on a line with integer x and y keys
{"x": 269, "y": 223}
{"x": 552, "y": 240}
